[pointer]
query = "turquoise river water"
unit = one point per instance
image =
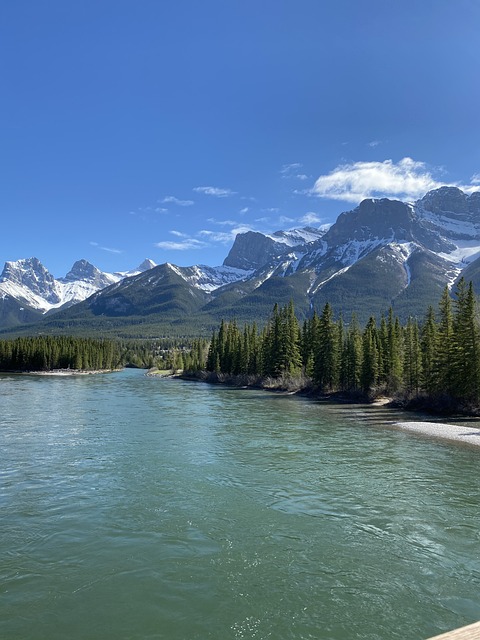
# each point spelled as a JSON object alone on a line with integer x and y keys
{"x": 133, "y": 507}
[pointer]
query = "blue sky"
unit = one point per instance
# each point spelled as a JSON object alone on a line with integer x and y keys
{"x": 155, "y": 128}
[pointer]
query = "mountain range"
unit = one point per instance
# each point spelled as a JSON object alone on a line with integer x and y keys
{"x": 382, "y": 253}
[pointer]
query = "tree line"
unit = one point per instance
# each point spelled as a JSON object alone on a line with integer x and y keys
{"x": 438, "y": 359}
{"x": 45, "y": 353}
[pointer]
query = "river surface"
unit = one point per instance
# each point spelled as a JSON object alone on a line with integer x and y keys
{"x": 133, "y": 507}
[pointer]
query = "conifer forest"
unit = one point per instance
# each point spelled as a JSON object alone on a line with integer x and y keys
{"x": 438, "y": 359}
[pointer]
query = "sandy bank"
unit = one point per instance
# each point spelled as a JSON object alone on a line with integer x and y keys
{"x": 459, "y": 433}
{"x": 68, "y": 372}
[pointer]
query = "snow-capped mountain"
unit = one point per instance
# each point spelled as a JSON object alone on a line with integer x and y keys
{"x": 29, "y": 283}
{"x": 381, "y": 253}
{"x": 252, "y": 250}
{"x": 211, "y": 278}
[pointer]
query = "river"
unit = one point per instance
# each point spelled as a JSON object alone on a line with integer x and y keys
{"x": 141, "y": 508}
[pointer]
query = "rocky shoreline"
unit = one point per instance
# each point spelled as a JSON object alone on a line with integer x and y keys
{"x": 444, "y": 431}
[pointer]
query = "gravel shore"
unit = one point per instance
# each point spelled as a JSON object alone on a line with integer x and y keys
{"x": 460, "y": 433}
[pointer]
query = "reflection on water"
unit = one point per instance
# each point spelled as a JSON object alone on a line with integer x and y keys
{"x": 133, "y": 507}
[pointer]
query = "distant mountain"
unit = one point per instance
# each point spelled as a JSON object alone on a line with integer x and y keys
{"x": 382, "y": 253}
{"x": 28, "y": 289}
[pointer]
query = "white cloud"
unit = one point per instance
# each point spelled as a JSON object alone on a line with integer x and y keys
{"x": 374, "y": 143}
{"x": 174, "y": 200}
{"x": 224, "y": 237}
{"x": 244, "y": 210}
{"x": 161, "y": 210}
{"x": 184, "y": 245}
{"x": 108, "y": 249}
{"x": 310, "y": 218}
{"x": 215, "y": 191}
{"x": 179, "y": 234}
{"x": 288, "y": 169}
{"x": 223, "y": 223}
{"x": 407, "y": 179}
{"x": 285, "y": 220}
{"x": 475, "y": 179}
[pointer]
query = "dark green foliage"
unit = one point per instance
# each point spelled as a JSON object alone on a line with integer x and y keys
{"x": 326, "y": 351}
{"x": 46, "y": 353}
{"x": 441, "y": 359}
{"x": 351, "y": 359}
{"x": 412, "y": 357}
{"x": 428, "y": 345}
{"x": 445, "y": 346}
{"x": 465, "y": 363}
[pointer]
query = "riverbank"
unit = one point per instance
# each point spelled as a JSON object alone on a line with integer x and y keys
{"x": 446, "y": 431}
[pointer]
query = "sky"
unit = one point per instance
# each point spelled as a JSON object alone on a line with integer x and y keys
{"x": 160, "y": 129}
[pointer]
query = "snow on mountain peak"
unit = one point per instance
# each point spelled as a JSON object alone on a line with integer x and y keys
{"x": 295, "y": 237}
{"x": 29, "y": 276}
{"x": 146, "y": 265}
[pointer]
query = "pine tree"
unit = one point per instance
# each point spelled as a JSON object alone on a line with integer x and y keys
{"x": 412, "y": 358}
{"x": 326, "y": 355}
{"x": 443, "y": 383}
{"x": 371, "y": 357}
{"x": 292, "y": 356}
{"x": 428, "y": 345}
{"x": 351, "y": 364}
{"x": 465, "y": 364}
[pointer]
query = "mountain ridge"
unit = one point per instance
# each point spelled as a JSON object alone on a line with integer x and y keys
{"x": 381, "y": 253}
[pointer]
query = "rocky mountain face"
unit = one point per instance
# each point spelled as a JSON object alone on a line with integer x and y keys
{"x": 28, "y": 289}
{"x": 382, "y": 253}
{"x": 252, "y": 250}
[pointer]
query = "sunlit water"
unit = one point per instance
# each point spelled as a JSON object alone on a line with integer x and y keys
{"x": 133, "y": 507}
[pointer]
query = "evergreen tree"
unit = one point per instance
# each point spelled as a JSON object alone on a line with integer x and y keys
{"x": 371, "y": 356}
{"x": 443, "y": 383}
{"x": 465, "y": 362}
{"x": 412, "y": 358}
{"x": 428, "y": 345}
{"x": 326, "y": 355}
{"x": 351, "y": 365}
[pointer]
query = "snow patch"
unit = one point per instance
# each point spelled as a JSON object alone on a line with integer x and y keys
{"x": 465, "y": 252}
{"x": 294, "y": 237}
{"x": 323, "y": 282}
{"x": 211, "y": 278}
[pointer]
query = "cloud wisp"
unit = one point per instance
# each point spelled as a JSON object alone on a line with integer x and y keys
{"x": 107, "y": 249}
{"x": 177, "y": 201}
{"x": 310, "y": 218}
{"x": 182, "y": 245}
{"x": 292, "y": 170}
{"x": 475, "y": 179}
{"x": 215, "y": 191}
{"x": 224, "y": 237}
